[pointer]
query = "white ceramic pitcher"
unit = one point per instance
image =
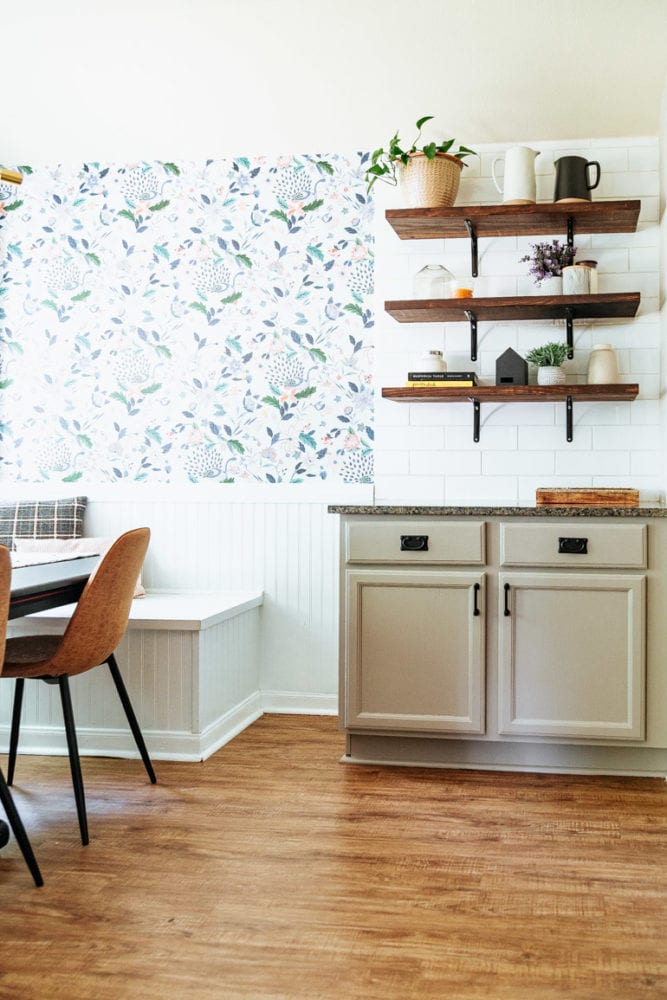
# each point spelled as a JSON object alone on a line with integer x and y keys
{"x": 519, "y": 179}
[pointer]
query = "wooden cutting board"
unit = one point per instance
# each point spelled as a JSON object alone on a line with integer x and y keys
{"x": 587, "y": 497}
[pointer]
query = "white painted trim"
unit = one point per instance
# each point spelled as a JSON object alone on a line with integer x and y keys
{"x": 163, "y": 745}
{"x": 299, "y": 703}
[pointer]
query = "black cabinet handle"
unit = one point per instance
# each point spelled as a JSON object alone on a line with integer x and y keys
{"x": 573, "y": 546}
{"x": 414, "y": 543}
{"x": 476, "y": 590}
{"x": 507, "y": 600}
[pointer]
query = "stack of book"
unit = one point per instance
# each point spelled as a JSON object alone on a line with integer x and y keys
{"x": 454, "y": 380}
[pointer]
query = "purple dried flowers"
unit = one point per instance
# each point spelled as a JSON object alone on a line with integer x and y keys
{"x": 547, "y": 260}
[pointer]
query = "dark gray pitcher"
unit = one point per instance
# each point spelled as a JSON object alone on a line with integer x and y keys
{"x": 572, "y": 183}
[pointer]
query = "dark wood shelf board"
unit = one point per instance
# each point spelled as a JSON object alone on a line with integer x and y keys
{"x": 616, "y": 392}
{"x": 515, "y": 220}
{"x": 610, "y": 306}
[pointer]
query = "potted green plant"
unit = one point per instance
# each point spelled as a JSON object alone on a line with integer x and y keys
{"x": 549, "y": 359}
{"x": 547, "y": 261}
{"x": 428, "y": 174}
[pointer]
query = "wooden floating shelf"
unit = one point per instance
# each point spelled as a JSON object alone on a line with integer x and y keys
{"x": 515, "y": 220}
{"x": 477, "y": 394}
{"x": 613, "y": 392}
{"x": 612, "y": 306}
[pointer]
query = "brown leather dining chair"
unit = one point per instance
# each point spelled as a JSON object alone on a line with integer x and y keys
{"x": 5, "y": 795}
{"x": 93, "y": 633}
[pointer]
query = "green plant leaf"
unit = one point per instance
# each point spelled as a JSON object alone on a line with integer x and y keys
{"x": 352, "y": 308}
{"x": 315, "y": 252}
{"x": 231, "y": 298}
{"x": 236, "y": 446}
{"x": 306, "y": 392}
{"x": 313, "y": 205}
{"x": 317, "y": 354}
{"x": 119, "y": 397}
{"x": 92, "y": 258}
{"x": 243, "y": 259}
{"x": 126, "y": 214}
{"x": 80, "y": 297}
{"x": 150, "y": 389}
{"x": 163, "y": 350}
{"x": 171, "y": 168}
{"x": 84, "y": 440}
{"x": 422, "y": 121}
{"x": 72, "y": 478}
{"x": 158, "y": 206}
{"x": 13, "y": 206}
{"x": 271, "y": 401}
{"x": 325, "y": 167}
{"x": 277, "y": 214}
{"x": 6, "y": 383}
{"x": 199, "y": 306}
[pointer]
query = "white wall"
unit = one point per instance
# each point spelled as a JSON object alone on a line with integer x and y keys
{"x": 425, "y": 452}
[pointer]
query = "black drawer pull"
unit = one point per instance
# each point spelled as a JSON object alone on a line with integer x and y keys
{"x": 476, "y": 590}
{"x": 573, "y": 546}
{"x": 507, "y": 600}
{"x": 414, "y": 543}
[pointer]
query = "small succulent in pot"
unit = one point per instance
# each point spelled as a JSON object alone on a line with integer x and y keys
{"x": 549, "y": 355}
{"x": 547, "y": 260}
{"x": 549, "y": 359}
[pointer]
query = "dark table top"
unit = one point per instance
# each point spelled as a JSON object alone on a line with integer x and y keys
{"x": 49, "y": 585}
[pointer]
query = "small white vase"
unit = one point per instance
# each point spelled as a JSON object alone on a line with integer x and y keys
{"x": 602, "y": 365}
{"x": 550, "y": 286}
{"x": 550, "y": 375}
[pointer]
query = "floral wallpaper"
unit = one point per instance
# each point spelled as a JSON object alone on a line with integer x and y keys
{"x": 187, "y": 322}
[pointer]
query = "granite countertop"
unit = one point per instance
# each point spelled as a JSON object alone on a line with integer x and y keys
{"x": 643, "y": 510}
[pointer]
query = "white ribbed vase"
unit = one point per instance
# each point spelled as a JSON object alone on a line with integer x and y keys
{"x": 550, "y": 375}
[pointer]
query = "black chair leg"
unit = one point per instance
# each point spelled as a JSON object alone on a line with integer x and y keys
{"x": 19, "y": 831}
{"x": 16, "y": 724}
{"x": 73, "y": 750}
{"x": 131, "y": 717}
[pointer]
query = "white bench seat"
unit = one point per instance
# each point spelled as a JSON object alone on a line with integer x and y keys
{"x": 189, "y": 611}
{"x": 190, "y": 661}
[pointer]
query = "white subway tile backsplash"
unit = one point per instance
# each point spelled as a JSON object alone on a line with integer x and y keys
{"x": 593, "y": 463}
{"x": 410, "y": 489}
{"x": 495, "y": 439}
{"x": 523, "y": 445}
{"x": 630, "y": 438}
{"x": 482, "y": 490}
{"x": 449, "y": 463}
{"x": 647, "y": 463}
{"x": 517, "y": 463}
{"x": 532, "y": 439}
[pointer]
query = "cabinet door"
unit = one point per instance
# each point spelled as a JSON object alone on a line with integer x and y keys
{"x": 572, "y": 655}
{"x": 414, "y": 650}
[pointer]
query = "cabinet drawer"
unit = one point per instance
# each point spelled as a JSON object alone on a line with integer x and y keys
{"x": 413, "y": 541}
{"x": 574, "y": 543}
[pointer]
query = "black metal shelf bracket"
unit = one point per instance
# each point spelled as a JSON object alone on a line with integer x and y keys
{"x": 570, "y": 231}
{"x": 468, "y": 223}
{"x": 472, "y": 319}
{"x": 475, "y": 426}
{"x": 569, "y": 331}
{"x": 569, "y": 409}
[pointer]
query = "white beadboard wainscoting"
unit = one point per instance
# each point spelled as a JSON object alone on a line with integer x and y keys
{"x": 289, "y": 550}
{"x": 285, "y": 547}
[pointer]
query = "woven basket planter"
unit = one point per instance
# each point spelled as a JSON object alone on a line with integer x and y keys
{"x": 425, "y": 183}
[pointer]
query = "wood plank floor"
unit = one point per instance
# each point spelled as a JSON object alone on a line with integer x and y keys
{"x": 272, "y": 870}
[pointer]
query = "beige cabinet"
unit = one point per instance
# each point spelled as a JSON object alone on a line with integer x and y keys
{"x": 571, "y": 657}
{"x": 505, "y": 642}
{"x": 414, "y": 650}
